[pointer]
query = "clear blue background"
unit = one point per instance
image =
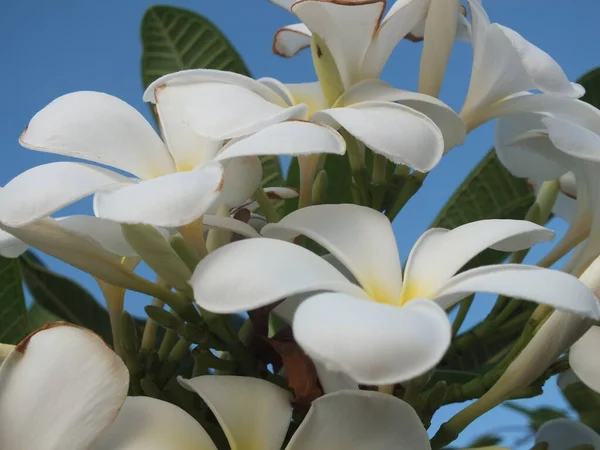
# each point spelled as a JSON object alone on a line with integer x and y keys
{"x": 49, "y": 48}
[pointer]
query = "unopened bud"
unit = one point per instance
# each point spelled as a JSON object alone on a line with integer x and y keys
{"x": 164, "y": 318}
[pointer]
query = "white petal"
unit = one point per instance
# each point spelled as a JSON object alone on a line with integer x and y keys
{"x": 289, "y": 40}
{"x": 104, "y": 232}
{"x": 583, "y": 361}
{"x": 311, "y": 94}
{"x": 228, "y": 223}
{"x": 332, "y": 381}
{"x": 439, "y": 253}
{"x": 42, "y": 190}
{"x": 69, "y": 403}
{"x": 545, "y": 72}
{"x": 192, "y": 77}
{"x": 287, "y": 138}
{"x": 101, "y": 128}
{"x": 10, "y": 246}
{"x": 252, "y": 412}
{"x": 564, "y": 434}
{"x": 169, "y": 201}
{"x": 524, "y": 148}
{"x": 360, "y": 420}
{"x": 224, "y": 111}
{"x": 450, "y": 124}
{"x": 389, "y": 344}
{"x": 549, "y": 287}
{"x": 152, "y": 424}
{"x": 440, "y": 33}
{"x": 188, "y": 148}
{"x": 242, "y": 177}
{"x": 347, "y": 29}
{"x": 367, "y": 248}
{"x": 402, "y": 18}
{"x": 79, "y": 251}
{"x": 573, "y": 139}
{"x": 401, "y": 134}
{"x": 279, "y": 88}
{"x": 264, "y": 270}
{"x": 565, "y": 207}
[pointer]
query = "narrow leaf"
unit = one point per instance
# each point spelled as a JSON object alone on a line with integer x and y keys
{"x": 13, "y": 312}
{"x": 591, "y": 82}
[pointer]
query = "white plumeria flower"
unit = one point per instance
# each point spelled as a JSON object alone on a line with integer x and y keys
{"x": 84, "y": 386}
{"x": 362, "y": 39}
{"x": 505, "y": 66}
{"x": 547, "y": 146}
{"x": 405, "y": 127}
{"x": 385, "y": 330}
{"x": 583, "y": 360}
{"x": 565, "y": 434}
{"x": 177, "y": 180}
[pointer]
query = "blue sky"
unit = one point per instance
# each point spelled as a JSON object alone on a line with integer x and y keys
{"x": 50, "y": 48}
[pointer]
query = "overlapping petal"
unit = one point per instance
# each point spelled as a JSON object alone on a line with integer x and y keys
{"x": 565, "y": 434}
{"x": 549, "y": 287}
{"x": 149, "y": 423}
{"x": 188, "y": 148}
{"x": 360, "y": 238}
{"x": 241, "y": 178}
{"x": 347, "y": 30}
{"x": 583, "y": 361}
{"x": 389, "y": 344}
{"x": 450, "y": 124}
{"x": 265, "y": 271}
{"x": 169, "y": 201}
{"x": 289, "y": 40}
{"x": 439, "y": 253}
{"x": 10, "y": 246}
{"x": 228, "y": 223}
{"x": 253, "y": 413}
{"x": 42, "y": 190}
{"x": 100, "y": 128}
{"x": 360, "y": 420}
{"x": 401, "y": 134}
{"x": 69, "y": 403}
{"x": 573, "y": 139}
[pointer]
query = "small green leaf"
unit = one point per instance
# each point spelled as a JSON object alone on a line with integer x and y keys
{"x": 64, "y": 298}
{"x": 13, "y": 312}
{"x": 591, "y": 82}
{"x": 489, "y": 191}
{"x": 175, "y": 39}
{"x": 488, "y": 440}
{"x": 537, "y": 417}
{"x": 39, "y": 316}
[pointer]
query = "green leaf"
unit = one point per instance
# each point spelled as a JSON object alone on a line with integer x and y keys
{"x": 39, "y": 316}
{"x": 591, "y": 82}
{"x": 585, "y": 402}
{"x": 64, "y": 298}
{"x": 488, "y": 440}
{"x": 175, "y": 39}
{"x": 13, "y": 312}
{"x": 489, "y": 191}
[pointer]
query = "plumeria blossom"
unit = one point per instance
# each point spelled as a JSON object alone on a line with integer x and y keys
{"x": 85, "y": 405}
{"x": 583, "y": 361}
{"x": 565, "y": 434}
{"x": 505, "y": 67}
{"x": 386, "y": 329}
{"x": 176, "y": 181}
{"x": 361, "y": 38}
{"x": 405, "y": 127}
{"x": 563, "y": 144}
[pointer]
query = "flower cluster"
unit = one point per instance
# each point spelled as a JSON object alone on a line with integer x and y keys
{"x": 190, "y": 204}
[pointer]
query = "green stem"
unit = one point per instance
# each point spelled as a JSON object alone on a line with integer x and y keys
{"x": 266, "y": 206}
{"x": 463, "y": 310}
{"x": 412, "y": 185}
{"x": 149, "y": 334}
{"x": 168, "y": 342}
{"x": 357, "y": 165}
{"x": 379, "y": 180}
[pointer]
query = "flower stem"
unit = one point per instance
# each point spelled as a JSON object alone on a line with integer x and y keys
{"x": 356, "y": 158}
{"x": 149, "y": 334}
{"x": 463, "y": 310}
{"x": 410, "y": 188}
{"x": 194, "y": 234}
{"x": 266, "y": 206}
{"x": 379, "y": 180}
